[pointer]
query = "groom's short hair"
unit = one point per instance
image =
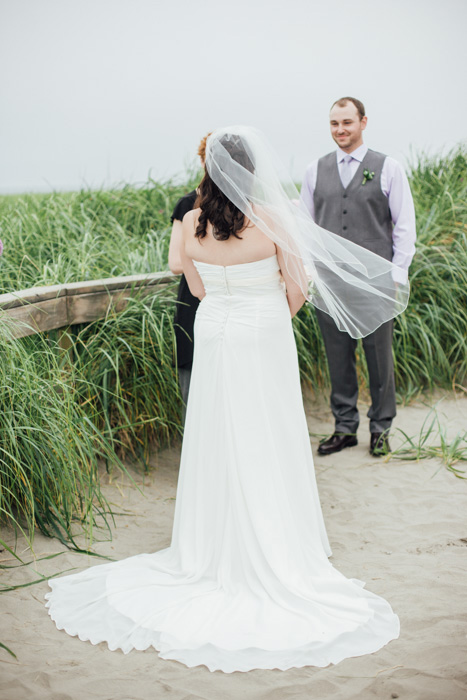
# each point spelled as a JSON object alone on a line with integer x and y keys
{"x": 359, "y": 105}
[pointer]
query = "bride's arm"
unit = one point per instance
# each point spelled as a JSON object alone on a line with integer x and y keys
{"x": 175, "y": 264}
{"x": 295, "y": 296}
{"x": 189, "y": 270}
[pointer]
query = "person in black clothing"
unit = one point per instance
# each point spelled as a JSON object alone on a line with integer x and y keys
{"x": 187, "y": 304}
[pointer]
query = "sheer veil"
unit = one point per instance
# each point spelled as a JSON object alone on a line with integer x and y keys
{"x": 358, "y": 288}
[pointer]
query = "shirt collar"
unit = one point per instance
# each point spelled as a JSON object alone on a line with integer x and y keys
{"x": 358, "y": 154}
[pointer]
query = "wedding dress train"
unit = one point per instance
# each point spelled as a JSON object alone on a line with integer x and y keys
{"x": 246, "y": 582}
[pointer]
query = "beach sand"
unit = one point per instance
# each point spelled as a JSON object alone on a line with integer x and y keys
{"x": 400, "y": 526}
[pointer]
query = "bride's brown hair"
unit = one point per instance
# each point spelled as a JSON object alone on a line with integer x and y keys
{"x": 226, "y": 219}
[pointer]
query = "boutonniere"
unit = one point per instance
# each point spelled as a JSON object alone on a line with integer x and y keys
{"x": 367, "y": 176}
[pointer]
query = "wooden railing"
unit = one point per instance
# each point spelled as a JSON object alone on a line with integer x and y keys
{"x": 48, "y": 308}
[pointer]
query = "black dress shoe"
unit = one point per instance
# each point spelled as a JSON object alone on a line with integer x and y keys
{"x": 336, "y": 443}
{"x": 379, "y": 444}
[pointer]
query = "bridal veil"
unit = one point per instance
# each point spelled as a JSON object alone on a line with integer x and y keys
{"x": 358, "y": 288}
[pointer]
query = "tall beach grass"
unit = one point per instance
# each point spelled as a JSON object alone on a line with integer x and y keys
{"x": 431, "y": 337}
{"x": 49, "y": 444}
{"x": 73, "y": 236}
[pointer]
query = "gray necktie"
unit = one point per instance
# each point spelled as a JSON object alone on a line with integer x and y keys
{"x": 346, "y": 171}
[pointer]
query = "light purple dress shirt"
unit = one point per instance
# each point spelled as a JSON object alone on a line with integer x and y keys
{"x": 395, "y": 186}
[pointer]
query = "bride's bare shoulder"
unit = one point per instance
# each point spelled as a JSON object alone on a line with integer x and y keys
{"x": 262, "y": 211}
{"x": 190, "y": 221}
{"x": 192, "y": 215}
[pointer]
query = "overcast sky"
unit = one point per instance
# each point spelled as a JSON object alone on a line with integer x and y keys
{"x": 96, "y": 92}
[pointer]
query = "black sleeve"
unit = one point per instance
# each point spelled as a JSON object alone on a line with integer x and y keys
{"x": 184, "y": 204}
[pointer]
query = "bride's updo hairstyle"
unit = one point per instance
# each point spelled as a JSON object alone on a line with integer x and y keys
{"x": 226, "y": 219}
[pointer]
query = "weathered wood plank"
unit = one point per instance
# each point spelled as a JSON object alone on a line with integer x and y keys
{"x": 41, "y": 316}
{"x": 85, "y": 308}
{"x": 33, "y": 295}
{"x": 153, "y": 278}
{"x": 36, "y": 294}
{"x": 48, "y": 308}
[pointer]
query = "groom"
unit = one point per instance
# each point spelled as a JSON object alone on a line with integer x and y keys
{"x": 364, "y": 196}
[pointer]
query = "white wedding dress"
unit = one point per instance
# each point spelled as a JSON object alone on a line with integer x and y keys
{"x": 246, "y": 582}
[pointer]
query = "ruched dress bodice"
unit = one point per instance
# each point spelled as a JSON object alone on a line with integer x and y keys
{"x": 258, "y": 278}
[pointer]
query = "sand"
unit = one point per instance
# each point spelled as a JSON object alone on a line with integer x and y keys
{"x": 399, "y": 526}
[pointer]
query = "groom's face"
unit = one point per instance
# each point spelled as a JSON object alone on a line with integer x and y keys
{"x": 347, "y": 127}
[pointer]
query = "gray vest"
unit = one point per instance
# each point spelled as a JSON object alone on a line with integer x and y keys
{"x": 359, "y": 212}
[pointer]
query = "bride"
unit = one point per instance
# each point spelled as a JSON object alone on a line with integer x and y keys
{"x": 246, "y": 582}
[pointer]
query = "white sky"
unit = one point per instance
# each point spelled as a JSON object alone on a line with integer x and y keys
{"x": 95, "y": 92}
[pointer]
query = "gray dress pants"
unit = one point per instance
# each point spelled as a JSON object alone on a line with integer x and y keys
{"x": 340, "y": 351}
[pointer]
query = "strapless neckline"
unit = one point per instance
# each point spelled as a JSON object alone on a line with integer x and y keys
{"x": 257, "y": 277}
{"x": 252, "y": 262}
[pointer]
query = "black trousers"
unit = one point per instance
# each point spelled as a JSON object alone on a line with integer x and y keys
{"x": 184, "y": 378}
{"x": 340, "y": 351}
